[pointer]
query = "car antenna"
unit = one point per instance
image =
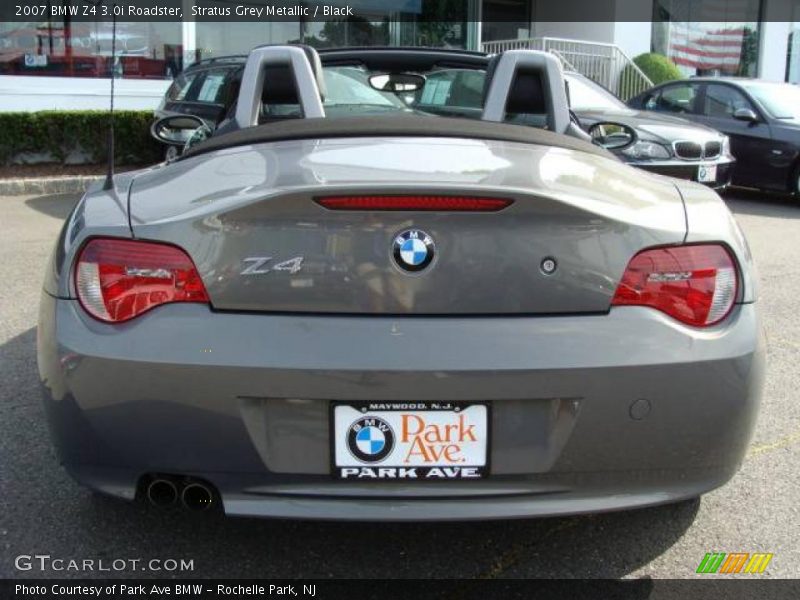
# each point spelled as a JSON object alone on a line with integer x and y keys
{"x": 109, "y": 182}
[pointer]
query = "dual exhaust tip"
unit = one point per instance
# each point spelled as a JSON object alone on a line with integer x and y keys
{"x": 194, "y": 495}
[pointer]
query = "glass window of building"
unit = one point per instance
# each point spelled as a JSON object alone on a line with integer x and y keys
{"x": 364, "y": 30}
{"x": 708, "y": 37}
{"x": 62, "y": 48}
{"x": 153, "y": 50}
{"x": 505, "y": 19}
{"x": 440, "y": 23}
{"x": 239, "y": 37}
{"x": 793, "y": 47}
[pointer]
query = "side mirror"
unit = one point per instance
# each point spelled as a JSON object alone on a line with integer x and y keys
{"x": 180, "y": 130}
{"x": 745, "y": 114}
{"x": 397, "y": 83}
{"x": 612, "y": 136}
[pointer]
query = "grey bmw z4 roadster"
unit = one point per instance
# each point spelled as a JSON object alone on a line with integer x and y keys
{"x": 357, "y": 298}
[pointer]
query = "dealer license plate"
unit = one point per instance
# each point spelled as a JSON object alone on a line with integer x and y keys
{"x": 410, "y": 440}
{"x": 707, "y": 173}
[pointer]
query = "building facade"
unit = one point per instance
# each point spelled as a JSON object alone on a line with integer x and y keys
{"x": 62, "y": 65}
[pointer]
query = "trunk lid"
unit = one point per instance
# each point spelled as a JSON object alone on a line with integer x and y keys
{"x": 233, "y": 209}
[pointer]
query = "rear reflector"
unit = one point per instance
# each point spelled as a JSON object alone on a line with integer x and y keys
{"x": 117, "y": 280}
{"x": 419, "y": 203}
{"x": 694, "y": 284}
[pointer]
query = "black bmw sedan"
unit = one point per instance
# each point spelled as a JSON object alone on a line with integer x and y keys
{"x": 762, "y": 120}
{"x": 664, "y": 144}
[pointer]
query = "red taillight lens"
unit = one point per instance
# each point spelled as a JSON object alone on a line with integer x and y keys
{"x": 695, "y": 284}
{"x": 117, "y": 280}
{"x": 421, "y": 203}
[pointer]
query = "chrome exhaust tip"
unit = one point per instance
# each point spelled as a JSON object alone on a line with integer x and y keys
{"x": 197, "y": 497}
{"x": 162, "y": 493}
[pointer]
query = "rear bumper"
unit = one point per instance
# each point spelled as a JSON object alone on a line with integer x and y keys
{"x": 242, "y": 401}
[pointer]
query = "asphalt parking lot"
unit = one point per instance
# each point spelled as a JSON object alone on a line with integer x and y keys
{"x": 42, "y": 511}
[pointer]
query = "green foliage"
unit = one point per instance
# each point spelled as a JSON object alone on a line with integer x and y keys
{"x": 658, "y": 67}
{"x": 749, "y": 62}
{"x": 61, "y": 132}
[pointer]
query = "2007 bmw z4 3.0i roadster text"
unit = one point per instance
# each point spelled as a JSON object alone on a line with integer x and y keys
{"x": 357, "y": 300}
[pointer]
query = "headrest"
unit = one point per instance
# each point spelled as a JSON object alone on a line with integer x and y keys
{"x": 279, "y": 86}
{"x": 279, "y": 82}
{"x": 527, "y": 94}
{"x": 280, "y": 74}
{"x": 526, "y": 82}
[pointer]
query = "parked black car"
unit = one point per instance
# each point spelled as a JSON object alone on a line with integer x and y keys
{"x": 665, "y": 144}
{"x": 205, "y": 89}
{"x": 761, "y": 118}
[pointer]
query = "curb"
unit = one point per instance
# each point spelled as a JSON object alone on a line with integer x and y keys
{"x": 47, "y": 185}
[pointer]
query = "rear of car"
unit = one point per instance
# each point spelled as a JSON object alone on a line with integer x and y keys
{"x": 401, "y": 317}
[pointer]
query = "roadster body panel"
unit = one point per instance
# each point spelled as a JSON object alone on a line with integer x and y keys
{"x": 269, "y": 203}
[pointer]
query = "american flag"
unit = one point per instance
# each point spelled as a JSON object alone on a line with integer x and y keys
{"x": 706, "y": 45}
{"x": 708, "y": 34}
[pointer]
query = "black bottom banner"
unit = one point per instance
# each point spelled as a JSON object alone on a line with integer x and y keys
{"x": 406, "y": 589}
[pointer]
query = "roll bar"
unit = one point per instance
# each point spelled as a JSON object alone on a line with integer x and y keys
{"x": 502, "y": 77}
{"x": 504, "y": 72}
{"x": 248, "y": 106}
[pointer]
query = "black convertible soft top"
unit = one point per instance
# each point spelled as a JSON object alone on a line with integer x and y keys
{"x": 397, "y": 125}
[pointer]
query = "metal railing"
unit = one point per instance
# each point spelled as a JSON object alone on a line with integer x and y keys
{"x": 606, "y": 64}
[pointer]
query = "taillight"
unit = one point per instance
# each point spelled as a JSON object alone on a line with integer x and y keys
{"x": 117, "y": 280}
{"x": 695, "y": 284}
{"x": 415, "y": 202}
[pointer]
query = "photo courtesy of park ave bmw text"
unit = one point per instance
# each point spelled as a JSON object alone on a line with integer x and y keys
{"x": 399, "y": 298}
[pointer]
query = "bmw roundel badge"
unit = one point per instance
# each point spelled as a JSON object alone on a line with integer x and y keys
{"x": 413, "y": 250}
{"x": 370, "y": 439}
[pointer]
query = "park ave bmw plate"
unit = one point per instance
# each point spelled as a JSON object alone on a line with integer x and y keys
{"x": 410, "y": 440}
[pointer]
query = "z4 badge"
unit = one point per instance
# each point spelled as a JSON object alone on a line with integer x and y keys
{"x": 261, "y": 265}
